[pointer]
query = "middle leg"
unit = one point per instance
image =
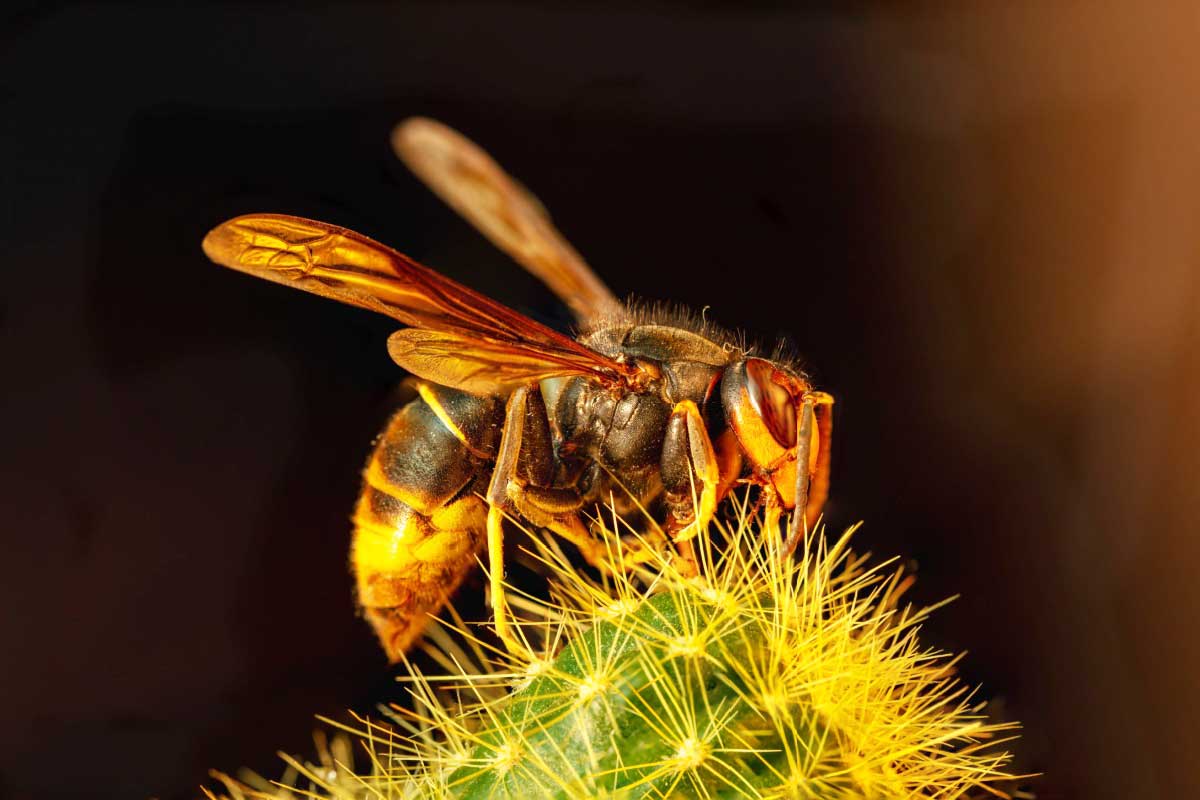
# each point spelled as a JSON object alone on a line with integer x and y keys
{"x": 695, "y": 478}
{"x": 521, "y": 482}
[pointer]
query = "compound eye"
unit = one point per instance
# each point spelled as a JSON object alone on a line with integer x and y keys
{"x": 770, "y": 396}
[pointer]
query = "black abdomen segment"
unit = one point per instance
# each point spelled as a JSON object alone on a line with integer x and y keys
{"x": 420, "y": 520}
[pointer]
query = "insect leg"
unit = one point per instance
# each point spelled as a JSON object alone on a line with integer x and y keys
{"x": 690, "y": 471}
{"x": 729, "y": 461}
{"x": 798, "y": 528}
{"x": 529, "y": 491}
{"x": 506, "y": 471}
{"x": 818, "y": 490}
{"x": 691, "y": 477}
{"x": 557, "y": 510}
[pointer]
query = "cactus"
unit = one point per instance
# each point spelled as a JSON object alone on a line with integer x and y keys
{"x": 763, "y": 677}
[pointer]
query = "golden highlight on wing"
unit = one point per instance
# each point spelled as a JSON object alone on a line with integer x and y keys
{"x": 464, "y": 176}
{"x": 346, "y": 266}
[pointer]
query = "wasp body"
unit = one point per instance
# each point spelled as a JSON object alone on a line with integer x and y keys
{"x": 643, "y": 410}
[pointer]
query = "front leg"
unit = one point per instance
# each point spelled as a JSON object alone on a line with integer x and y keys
{"x": 692, "y": 477}
{"x": 812, "y": 467}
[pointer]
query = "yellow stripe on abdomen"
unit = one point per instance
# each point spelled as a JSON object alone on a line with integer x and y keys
{"x": 418, "y": 525}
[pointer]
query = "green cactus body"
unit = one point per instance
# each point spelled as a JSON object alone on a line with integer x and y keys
{"x": 645, "y": 705}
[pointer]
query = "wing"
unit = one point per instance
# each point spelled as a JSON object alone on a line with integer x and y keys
{"x": 478, "y": 189}
{"x": 462, "y": 335}
{"x": 472, "y": 364}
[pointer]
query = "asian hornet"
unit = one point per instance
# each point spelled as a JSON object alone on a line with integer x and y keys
{"x": 514, "y": 417}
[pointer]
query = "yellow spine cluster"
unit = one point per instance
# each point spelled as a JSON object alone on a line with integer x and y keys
{"x": 765, "y": 677}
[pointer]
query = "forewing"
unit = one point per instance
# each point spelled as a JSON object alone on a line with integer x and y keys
{"x": 343, "y": 265}
{"x": 476, "y": 187}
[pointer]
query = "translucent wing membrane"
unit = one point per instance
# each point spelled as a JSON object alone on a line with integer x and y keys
{"x": 473, "y": 364}
{"x": 476, "y": 187}
{"x": 346, "y": 266}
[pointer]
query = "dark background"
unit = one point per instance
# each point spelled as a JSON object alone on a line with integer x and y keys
{"x": 977, "y": 222}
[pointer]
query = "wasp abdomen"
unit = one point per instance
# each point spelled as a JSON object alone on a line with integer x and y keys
{"x": 420, "y": 520}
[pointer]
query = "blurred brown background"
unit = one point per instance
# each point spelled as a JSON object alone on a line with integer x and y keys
{"x": 975, "y": 220}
